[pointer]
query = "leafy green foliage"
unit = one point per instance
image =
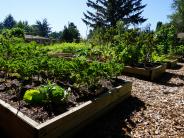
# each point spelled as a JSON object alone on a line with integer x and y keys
{"x": 74, "y": 48}
{"x": 46, "y": 94}
{"x": 102, "y": 36}
{"x": 166, "y": 39}
{"x": 158, "y": 58}
{"x": 54, "y": 93}
{"x": 14, "y": 32}
{"x": 30, "y": 60}
{"x": 105, "y": 36}
{"x": 179, "y": 50}
{"x": 177, "y": 17}
{"x": 33, "y": 96}
{"x": 136, "y": 46}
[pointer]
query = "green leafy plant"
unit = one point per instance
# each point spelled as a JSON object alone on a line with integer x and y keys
{"x": 158, "y": 58}
{"x": 54, "y": 93}
{"x": 179, "y": 50}
{"x": 34, "y": 96}
{"x": 166, "y": 39}
{"x": 46, "y": 94}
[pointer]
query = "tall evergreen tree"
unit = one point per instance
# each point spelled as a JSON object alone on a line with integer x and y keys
{"x": 42, "y": 28}
{"x": 109, "y": 12}
{"x": 9, "y": 22}
{"x": 70, "y": 33}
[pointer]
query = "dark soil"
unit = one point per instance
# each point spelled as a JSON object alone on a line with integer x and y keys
{"x": 12, "y": 90}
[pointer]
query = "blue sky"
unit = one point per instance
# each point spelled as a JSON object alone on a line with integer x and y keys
{"x": 60, "y": 12}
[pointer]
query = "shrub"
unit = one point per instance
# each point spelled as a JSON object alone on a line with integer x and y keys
{"x": 14, "y": 32}
{"x": 179, "y": 50}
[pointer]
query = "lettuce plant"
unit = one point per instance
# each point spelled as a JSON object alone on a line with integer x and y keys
{"x": 34, "y": 96}
{"x": 50, "y": 93}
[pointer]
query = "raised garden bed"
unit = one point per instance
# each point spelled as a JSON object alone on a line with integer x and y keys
{"x": 181, "y": 59}
{"x": 63, "y": 55}
{"x": 171, "y": 63}
{"x": 150, "y": 73}
{"x": 17, "y": 124}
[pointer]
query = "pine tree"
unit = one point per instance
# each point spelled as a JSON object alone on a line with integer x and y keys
{"x": 9, "y": 22}
{"x": 109, "y": 12}
{"x": 42, "y": 28}
{"x": 71, "y": 33}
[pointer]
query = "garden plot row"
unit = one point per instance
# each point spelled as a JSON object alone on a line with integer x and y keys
{"x": 151, "y": 71}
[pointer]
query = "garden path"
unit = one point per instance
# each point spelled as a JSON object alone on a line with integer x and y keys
{"x": 155, "y": 109}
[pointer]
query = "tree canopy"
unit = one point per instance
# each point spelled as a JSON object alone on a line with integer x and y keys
{"x": 108, "y": 12}
{"x": 177, "y": 18}
{"x": 70, "y": 33}
{"x": 42, "y": 28}
{"x": 9, "y": 22}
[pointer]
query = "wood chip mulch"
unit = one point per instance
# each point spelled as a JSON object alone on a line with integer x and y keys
{"x": 155, "y": 109}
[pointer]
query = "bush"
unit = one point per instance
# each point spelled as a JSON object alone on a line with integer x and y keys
{"x": 14, "y": 32}
{"x": 166, "y": 39}
{"x": 179, "y": 50}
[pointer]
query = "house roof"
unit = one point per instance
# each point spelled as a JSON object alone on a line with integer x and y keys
{"x": 35, "y": 37}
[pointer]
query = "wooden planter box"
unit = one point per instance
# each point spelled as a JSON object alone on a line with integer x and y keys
{"x": 63, "y": 55}
{"x": 18, "y": 125}
{"x": 180, "y": 59}
{"x": 171, "y": 63}
{"x": 151, "y": 73}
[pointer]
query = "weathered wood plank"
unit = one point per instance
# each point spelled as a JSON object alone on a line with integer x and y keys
{"x": 157, "y": 72}
{"x": 172, "y": 63}
{"x": 15, "y": 124}
{"x": 138, "y": 71}
{"x": 151, "y": 74}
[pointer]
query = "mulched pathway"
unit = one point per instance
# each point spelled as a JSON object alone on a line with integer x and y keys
{"x": 155, "y": 109}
